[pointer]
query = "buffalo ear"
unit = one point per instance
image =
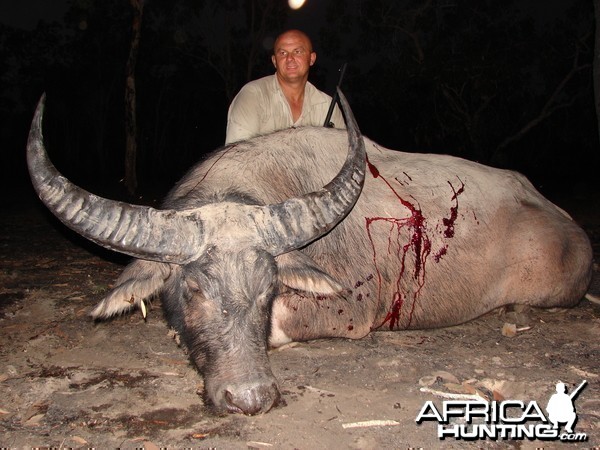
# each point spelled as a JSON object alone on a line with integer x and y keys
{"x": 300, "y": 272}
{"x": 138, "y": 281}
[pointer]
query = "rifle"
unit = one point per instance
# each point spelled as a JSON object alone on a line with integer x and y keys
{"x": 335, "y": 98}
{"x": 573, "y": 394}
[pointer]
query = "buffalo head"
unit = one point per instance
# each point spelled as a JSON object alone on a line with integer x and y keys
{"x": 218, "y": 261}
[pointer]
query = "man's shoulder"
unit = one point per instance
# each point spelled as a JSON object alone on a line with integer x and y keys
{"x": 316, "y": 95}
{"x": 260, "y": 84}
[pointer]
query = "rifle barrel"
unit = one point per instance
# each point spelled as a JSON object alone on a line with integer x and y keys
{"x": 335, "y": 97}
{"x": 576, "y": 391}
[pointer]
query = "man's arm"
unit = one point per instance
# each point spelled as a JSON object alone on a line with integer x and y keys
{"x": 242, "y": 117}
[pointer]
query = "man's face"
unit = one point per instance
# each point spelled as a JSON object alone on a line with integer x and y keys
{"x": 293, "y": 56}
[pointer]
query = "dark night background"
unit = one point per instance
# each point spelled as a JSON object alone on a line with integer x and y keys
{"x": 506, "y": 83}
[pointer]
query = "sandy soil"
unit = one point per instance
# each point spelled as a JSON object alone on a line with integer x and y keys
{"x": 67, "y": 382}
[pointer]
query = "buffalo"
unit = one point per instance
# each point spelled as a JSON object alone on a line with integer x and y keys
{"x": 268, "y": 241}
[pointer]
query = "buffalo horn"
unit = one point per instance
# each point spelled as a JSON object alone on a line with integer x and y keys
{"x": 300, "y": 220}
{"x": 174, "y": 236}
{"x": 179, "y": 236}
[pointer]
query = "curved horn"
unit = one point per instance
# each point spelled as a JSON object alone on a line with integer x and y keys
{"x": 298, "y": 221}
{"x": 176, "y": 236}
{"x": 179, "y": 236}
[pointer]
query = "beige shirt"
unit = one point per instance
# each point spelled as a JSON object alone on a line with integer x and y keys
{"x": 261, "y": 108}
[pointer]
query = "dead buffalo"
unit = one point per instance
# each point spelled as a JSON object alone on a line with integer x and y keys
{"x": 251, "y": 250}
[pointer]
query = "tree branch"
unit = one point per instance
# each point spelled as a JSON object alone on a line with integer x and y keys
{"x": 551, "y": 106}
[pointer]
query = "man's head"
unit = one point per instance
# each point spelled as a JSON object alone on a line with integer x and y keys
{"x": 292, "y": 56}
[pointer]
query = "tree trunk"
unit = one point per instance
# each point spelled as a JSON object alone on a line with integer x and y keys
{"x": 596, "y": 69}
{"x": 130, "y": 100}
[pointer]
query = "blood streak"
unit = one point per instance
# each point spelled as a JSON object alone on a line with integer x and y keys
{"x": 441, "y": 252}
{"x": 374, "y": 170}
{"x": 394, "y": 314}
{"x": 418, "y": 246}
{"x": 449, "y": 222}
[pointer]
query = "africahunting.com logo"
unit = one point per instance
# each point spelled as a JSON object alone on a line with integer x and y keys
{"x": 508, "y": 419}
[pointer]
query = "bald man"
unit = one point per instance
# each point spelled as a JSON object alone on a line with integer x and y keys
{"x": 283, "y": 100}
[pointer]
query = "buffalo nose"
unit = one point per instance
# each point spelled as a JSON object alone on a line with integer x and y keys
{"x": 252, "y": 400}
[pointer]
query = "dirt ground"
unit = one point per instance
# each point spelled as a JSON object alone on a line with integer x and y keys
{"x": 66, "y": 382}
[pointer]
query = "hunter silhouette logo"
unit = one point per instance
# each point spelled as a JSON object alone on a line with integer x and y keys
{"x": 561, "y": 408}
{"x": 508, "y": 419}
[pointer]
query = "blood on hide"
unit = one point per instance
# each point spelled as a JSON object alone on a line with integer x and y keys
{"x": 449, "y": 222}
{"x": 418, "y": 246}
